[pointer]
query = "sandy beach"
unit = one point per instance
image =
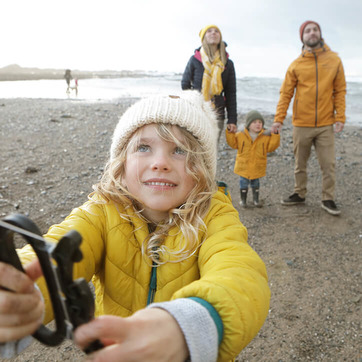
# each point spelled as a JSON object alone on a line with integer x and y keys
{"x": 52, "y": 151}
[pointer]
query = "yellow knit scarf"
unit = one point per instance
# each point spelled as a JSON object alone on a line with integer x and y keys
{"x": 211, "y": 80}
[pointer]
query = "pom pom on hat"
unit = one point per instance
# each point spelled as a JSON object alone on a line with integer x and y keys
{"x": 252, "y": 116}
{"x": 189, "y": 110}
{"x": 302, "y": 27}
{"x": 205, "y": 29}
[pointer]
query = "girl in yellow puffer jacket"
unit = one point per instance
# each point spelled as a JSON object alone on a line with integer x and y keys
{"x": 165, "y": 249}
{"x": 253, "y": 145}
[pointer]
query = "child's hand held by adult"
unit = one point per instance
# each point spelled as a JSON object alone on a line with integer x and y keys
{"x": 276, "y": 127}
{"x": 231, "y": 127}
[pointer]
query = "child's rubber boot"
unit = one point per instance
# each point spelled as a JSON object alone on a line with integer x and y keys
{"x": 243, "y": 194}
{"x": 256, "y": 198}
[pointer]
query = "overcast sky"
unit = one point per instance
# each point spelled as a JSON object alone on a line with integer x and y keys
{"x": 161, "y": 35}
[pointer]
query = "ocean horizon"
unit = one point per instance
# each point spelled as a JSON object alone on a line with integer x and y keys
{"x": 260, "y": 93}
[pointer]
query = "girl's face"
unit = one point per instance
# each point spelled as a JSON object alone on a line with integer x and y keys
{"x": 256, "y": 126}
{"x": 155, "y": 173}
{"x": 212, "y": 36}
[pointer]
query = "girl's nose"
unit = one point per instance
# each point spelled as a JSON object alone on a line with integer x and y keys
{"x": 160, "y": 163}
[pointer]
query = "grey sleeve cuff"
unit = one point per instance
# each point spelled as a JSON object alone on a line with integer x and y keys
{"x": 11, "y": 349}
{"x": 197, "y": 326}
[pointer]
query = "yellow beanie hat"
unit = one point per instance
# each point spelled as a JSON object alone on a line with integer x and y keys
{"x": 204, "y": 30}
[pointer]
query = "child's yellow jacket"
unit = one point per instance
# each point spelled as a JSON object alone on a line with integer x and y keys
{"x": 251, "y": 158}
{"x": 225, "y": 271}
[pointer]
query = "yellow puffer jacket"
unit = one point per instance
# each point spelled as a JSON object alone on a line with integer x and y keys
{"x": 251, "y": 159}
{"x": 226, "y": 272}
{"x": 320, "y": 90}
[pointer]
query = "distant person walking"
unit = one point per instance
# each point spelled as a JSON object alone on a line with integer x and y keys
{"x": 211, "y": 72}
{"x": 253, "y": 144}
{"x": 317, "y": 75}
{"x": 75, "y": 86}
{"x": 68, "y": 77}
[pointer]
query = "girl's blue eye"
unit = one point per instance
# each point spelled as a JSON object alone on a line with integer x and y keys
{"x": 180, "y": 151}
{"x": 143, "y": 148}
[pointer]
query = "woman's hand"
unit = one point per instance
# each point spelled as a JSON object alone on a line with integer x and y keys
{"x": 21, "y": 305}
{"x": 148, "y": 335}
{"x": 231, "y": 127}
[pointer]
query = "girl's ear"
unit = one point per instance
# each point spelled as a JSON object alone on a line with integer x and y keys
{"x": 123, "y": 182}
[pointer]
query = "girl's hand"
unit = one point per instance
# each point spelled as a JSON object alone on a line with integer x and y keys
{"x": 21, "y": 305}
{"x": 148, "y": 335}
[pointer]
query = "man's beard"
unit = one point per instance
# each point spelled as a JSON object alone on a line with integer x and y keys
{"x": 313, "y": 43}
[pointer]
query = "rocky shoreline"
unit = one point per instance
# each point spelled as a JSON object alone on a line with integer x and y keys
{"x": 52, "y": 151}
{"x": 14, "y": 72}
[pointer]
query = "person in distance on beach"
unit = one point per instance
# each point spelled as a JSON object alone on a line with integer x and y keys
{"x": 68, "y": 77}
{"x": 211, "y": 71}
{"x": 75, "y": 86}
{"x": 162, "y": 243}
{"x": 253, "y": 144}
{"x": 317, "y": 77}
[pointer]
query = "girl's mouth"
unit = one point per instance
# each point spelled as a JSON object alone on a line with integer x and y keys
{"x": 154, "y": 183}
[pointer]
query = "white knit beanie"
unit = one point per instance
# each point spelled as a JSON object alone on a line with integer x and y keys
{"x": 189, "y": 110}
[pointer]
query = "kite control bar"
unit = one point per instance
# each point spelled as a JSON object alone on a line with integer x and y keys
{"x": 72, "y": 301}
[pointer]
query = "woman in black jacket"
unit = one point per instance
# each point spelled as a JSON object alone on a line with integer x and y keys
{"x": 211, "y": 72}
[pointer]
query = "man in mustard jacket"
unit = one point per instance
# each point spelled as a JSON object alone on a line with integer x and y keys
{"x": 317, "y": 75}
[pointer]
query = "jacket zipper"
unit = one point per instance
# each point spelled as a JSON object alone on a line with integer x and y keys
{"x": 242, "y": 146}
{"x": 153, "y": 284}
{"x": 316, "y": 92}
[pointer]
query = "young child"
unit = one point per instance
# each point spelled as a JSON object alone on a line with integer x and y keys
{"x": 253, "y": 144}
{"x": 174, "y": 276}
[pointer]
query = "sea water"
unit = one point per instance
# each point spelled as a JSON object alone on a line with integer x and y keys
{"x": 257, "y": 93}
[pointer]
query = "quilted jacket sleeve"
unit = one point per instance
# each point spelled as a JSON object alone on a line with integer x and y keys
{"x": 233, "y": 279}
{"x": 286, "y": 94}
{"x": 230, "y": 93}
{"x": 187, "y": 77}
{"x": 274, "y": 142}
{"x": 231, "y": 139}
{"x": 339, "y": 93}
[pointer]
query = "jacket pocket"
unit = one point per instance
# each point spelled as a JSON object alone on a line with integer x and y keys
{"x": 242, "y": 147}
{"x": 259, "y": 150}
